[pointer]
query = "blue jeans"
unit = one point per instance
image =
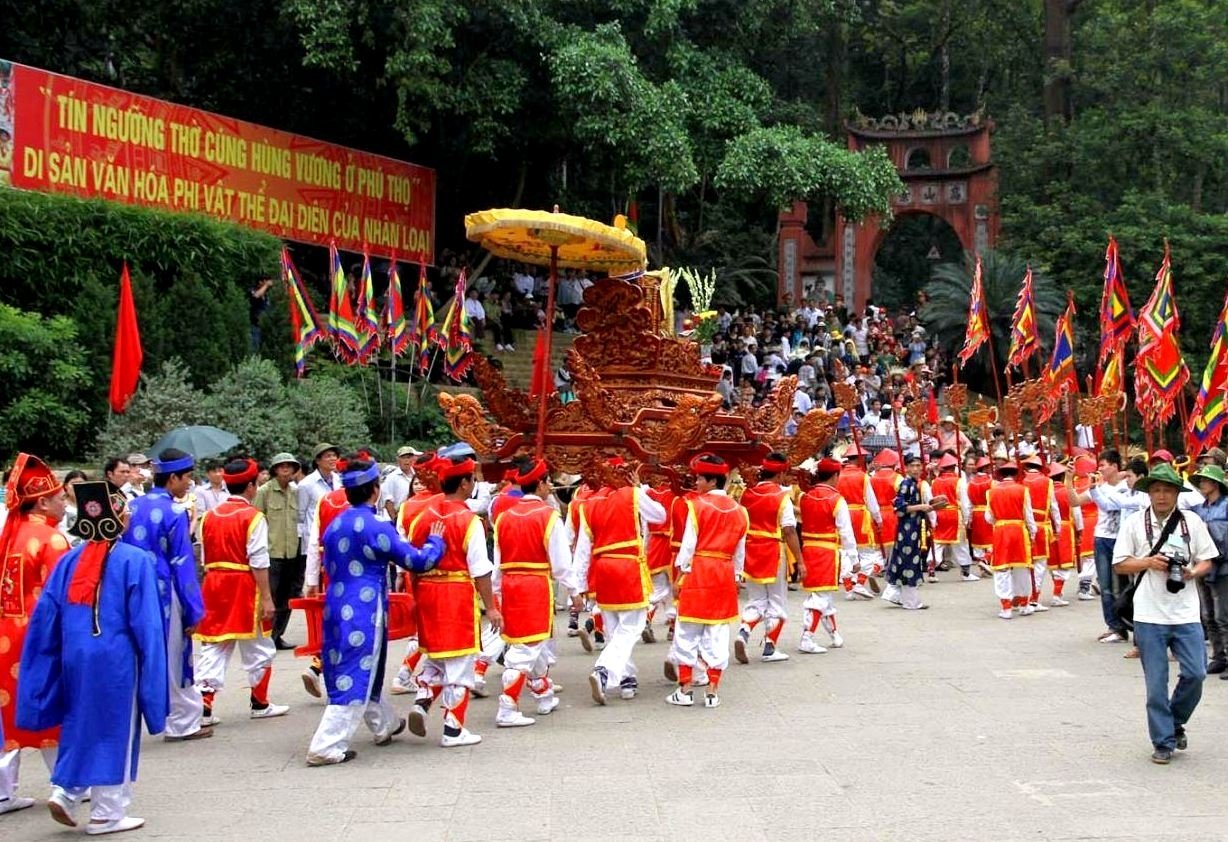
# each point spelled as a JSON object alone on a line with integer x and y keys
{"x": 1103, "y": 549}
{"x": 1165, "y": 716}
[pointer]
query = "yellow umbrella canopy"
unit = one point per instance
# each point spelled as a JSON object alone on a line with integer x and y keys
{"x": 529, "y": 235}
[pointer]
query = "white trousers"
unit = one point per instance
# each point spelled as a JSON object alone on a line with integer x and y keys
{"x": 820, "y": 601}
{"x": 910, "y": 596}
{"x": 767, "y": 601}
{"x": 1013, "y": 582}
{"x": 340, "y": 722}
{"x": 869, "y": 559}
{"x": 622, "y": 632}
{"x": 693, "y": 641}
{"x": 446, "y": 672}
{"x": 183, "y": 716}
{"x": 255, "y": 656}
{"x": 533, "y": 659}
{"x": 957, "y": 554}
{"x": 492, "y": 644}
{"x": 1039, "y": 567}
{"x": 663, "y": 594}
{"x": 10, "y": 770}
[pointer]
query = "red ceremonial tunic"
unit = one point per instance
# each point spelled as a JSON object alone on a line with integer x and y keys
{"x": 1091, "y": 514}
{"x": 1063, "y": 552}
{"x": 708, "y": 594}
{"x": 232, "y": 599}
{"x": 501, "y": 503}
{"x": 445, "y": 598}
{"x": 980, "y": 533}
{"x": 37, "y": 546}
{"x": 820, "y": 539}
{"x": 660, "y": 554}
{"x": 618, "y": 575}
{"x": 765, "y": 546}
{"x": 410, "y": 509}
{"x": 885, "y": 483}
{"x": 1040, "y": 490}
{"x": 678, "y": 512}
{"x": 1012, "y": 546}
{"x": 852, "y": 487}
{"x": 522, "y": 533}
{"x": 581, "y": 499}
{"x": 949, "y": 525}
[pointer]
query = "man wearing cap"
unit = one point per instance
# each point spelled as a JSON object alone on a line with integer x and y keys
{"x": 159, "y": 525}
{"x": 30, "y": 547}
{"x": 137, "y": 477}
{"x": 950, "y": 437}
{"x": 447, "y": 605}
{"x": 951, "y": 521}
{"x": 1213, "y": 588}
{"x": 1010, "y": 513}
{"x": 711, "y": 557}
{"x": 238, "y": 603}
{"x": 611, "y": 561}
{"x": 1048, "y": 519}
{"x": 854, "y": 487}
{"x": 394, "y": 488}
{"x": 315, "y": 485}
{"x": 1163, "y": 557}
{"x": 773, "y": 528}
{"x": 277, "y": 500}
{"x": 94, "y": 665}
{"x": 531, "y": 553}
{"x": 359, "y": 546}
{"x": 829, "y": 547}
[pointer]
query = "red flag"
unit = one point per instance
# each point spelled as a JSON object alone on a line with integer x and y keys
{"x": 541, "y": 379}
{"x": 127, "y": 356}
{"x": 931, "y": 408}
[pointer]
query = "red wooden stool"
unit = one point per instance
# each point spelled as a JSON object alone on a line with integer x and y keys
{"x": 402, "y": 620}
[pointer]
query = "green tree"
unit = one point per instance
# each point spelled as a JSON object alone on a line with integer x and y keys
{"x": 251, "y": 402}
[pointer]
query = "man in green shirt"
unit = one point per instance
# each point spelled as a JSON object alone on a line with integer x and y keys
{"x": 278, "y": 499}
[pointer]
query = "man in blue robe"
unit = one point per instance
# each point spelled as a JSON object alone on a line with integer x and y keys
{"x": 160, "y": 525}
{"x": 357, "y": 550}
{"x": 94, "y": 664}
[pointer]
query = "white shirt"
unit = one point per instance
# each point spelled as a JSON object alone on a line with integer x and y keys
{"x": 310, "y": 491}
{"x": 209, "y": 497}
{"x": 393, "y": 489}
{"x": 1152, "y": 601}
{"x": 1115, "y": 501}
{"x": 524, "y": 284}
{"x": 474, "y": 309}
{"x": 690, "y": 537}
{"x": 802, "y": 401}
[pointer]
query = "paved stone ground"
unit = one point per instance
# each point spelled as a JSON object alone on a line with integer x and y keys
{"x": 942, "y": 724}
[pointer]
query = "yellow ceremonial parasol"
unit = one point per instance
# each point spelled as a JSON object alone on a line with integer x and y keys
{"x": 554, "y": 239}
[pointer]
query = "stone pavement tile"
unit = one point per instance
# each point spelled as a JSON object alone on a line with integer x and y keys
{"x": 400, "y": 830}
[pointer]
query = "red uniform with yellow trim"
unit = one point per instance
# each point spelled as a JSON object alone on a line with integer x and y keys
{"x": 885, "y": 483}
{"x": 821, "y": 538}
{"x": 1012, "y": 545}
{"x": 980, "y": 532}
{"x": 584, "y": 494}
{"x": 229, "y": 591}
{"x": 949, "y": 522}
{"x": 618, "y": 574}
{"x": 501, "y": 502}
{"x": 854, "y": 486}
{"x": 1040, "y": 492}
{"x": 410, "y": 509}
{"x": 445, "y": 599}
{"x": 765, "y": 546}
{"x": 708, "y": 593}
{"x": 35, "y": 549}
{"x": 1091, "y": 514}
{"x": 660, "y": 554}
{"x": 522, "y": 534}
{"x": 1064, "y": 552}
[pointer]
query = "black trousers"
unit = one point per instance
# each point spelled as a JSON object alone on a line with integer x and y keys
{"x": 286, "y": 583}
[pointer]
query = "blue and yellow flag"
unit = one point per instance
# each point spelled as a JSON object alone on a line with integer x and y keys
{"x": 396, "y": 327}
{"x": 366, "y": 316}
{"x": 1210, "y": 412}
{"x": 978, "y": 316}
{"x": 305, "y": 323}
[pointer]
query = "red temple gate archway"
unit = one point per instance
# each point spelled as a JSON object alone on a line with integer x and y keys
{"x": 945, "y": 164}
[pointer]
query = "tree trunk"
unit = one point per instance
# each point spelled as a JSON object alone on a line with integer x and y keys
{"x": 944, "y": 61}
{"x": 834, "y": 77}
{"x": 1058, "y": 55}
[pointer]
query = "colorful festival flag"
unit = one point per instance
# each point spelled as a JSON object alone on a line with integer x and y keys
{"x": 341, "y": 327}
{"x": 422, "y": 333}
{"x": 1210, "y": 411}
{"x": 1116, "y": 317}
{"x": 305, "y": 324}
{"x": 126, "y": 356}
{"x": 1160, "y": 371}
{"x": 1023, "y": 327}
{"x": 455, "y": 337}
{"x": 978, "y": 317}
{"x": 1111, "y": 379}
{"x": 366, "y": 316}
{"x": 396, "y": 326}
{"x": 1060, "y": 375}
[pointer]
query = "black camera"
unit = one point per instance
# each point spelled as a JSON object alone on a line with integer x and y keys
{"x": 1175, "y": 580}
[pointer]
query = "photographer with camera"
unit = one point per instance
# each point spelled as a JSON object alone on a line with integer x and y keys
{"x": 1164, "y": 548}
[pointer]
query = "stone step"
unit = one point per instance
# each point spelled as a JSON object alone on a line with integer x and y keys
{"x": 518, "y": 364}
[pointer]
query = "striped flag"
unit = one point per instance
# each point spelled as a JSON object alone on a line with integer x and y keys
{"x": 341, "y": 325}
{"x": 366, "y": 316}
{"x": 455, "y": 336}
{"x": 1111, "y": 379}
{"x": 1023, "y": 327}
{"x": 1160, "y": 370}
{"x": 422, "y": 333}
{"x": 1060, "y": 374}
{"x": 305, "y": 323}
{"x": 1116, "y": 317}
{"x": 978, "y": 317}
{"x": 1210, "y": 412}
{"x": 396, "y": 326}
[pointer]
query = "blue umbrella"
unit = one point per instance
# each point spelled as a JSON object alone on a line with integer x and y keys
{"x": 200, "y": 440}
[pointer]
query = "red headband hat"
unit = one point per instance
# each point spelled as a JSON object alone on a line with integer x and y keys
{"x": 1033, "y": 461}
{"x": 699, "y": 467}
{"x": 983, "y": 462}
{"x": 853, "y": 451}
{"x": 887, "y": 458}
{"x": 947, "y": 461}
{"x": 775, "y": 466}
{"x": 29, "y": 480}
{"x": 1161, "y": 455}
{"x": 827, "y": 465}
{"x": 248, "y": 474}
{"x": 1084, "y": 465}
{"x": 450, "y": 469}
{"x": 534, "y": 474}
{"x": 1057, "y": 469}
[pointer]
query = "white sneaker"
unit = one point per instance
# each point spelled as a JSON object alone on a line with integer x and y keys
{"x": 313, "y": 683}
{"x": 711, "y": 700}
{"x": 317, "y": 760}
{"x": 498, "y": 347}
{"x": 12, "y": 805}
{"x": 417, "y": 720}
{"x": 117, "y": 826}
{"x": 932, "y": 578}
{"x": 1040, "y": 606}
{"x": 837, "y": 640}
{"x": 970, "y": 577}
{"x": 512, "y": 719}
{"x": 208, "y": 722}
{"x": 271, "y": 711}
{"x": 510, "y": 348}
{"x": 682, "y": 700}
{"x": 862, "y": 591}
{"x": 399, "y": 689}
{"x": 807, "y": 646}
{"x": 774, "y": 656}
{"x": 1005, "y": 614}
{"x": 849, "y": 596}
{"x": 1058, "y": 602}
{"x": 1084, "y": 596}
{"x": 547, "y": 706}
{"x": 627, "y": 692}
{"x": 1027, "y": 611}
{"x": 479, "y": 686}
{"x": 61, "y": 806}
{"x": 464, "y": 738}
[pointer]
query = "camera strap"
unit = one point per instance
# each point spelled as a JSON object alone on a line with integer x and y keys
{"x": 1158, "y": 543}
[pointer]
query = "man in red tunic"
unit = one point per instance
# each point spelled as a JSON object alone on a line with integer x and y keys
{"x": 980, "y": 533}
{"x": 238, "y": 603}
{"x": 951, "y": 522}
{"x": 711, "y": 557}
{"x": 829, "y": 546}
{"x": 660, "y": 562}
{"x": 30, "y": 546}
{"x": 1064, "y": 550}
{"x": 773, "y": 527}
{"x": 425, "y": 488}
{"x": 531, "y": 551}
{"x": 1048, "y": 524}
{"x": 854, "y": 486}
{"x": 1010, "y": 515}
{"x": 446, "y": 603}
{"x": 885, "y": 482}
{"x": 328, "y": 507}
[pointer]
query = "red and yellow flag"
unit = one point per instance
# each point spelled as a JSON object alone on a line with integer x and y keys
{"x": 978, "y": 317}
{"x": 1210, "y": 412}
{"x": 1023, "y": 327}
{"x": 1160, "y": 371}
{"x": 305, "y": 324}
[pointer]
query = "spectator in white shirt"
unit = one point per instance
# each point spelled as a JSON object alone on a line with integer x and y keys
{"x": 394, "y": 488}
{"x": 476, "y": 313}
{"x": 316, "y": 484}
